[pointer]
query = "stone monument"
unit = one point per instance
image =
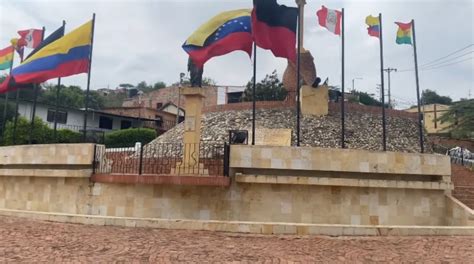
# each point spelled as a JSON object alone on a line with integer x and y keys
{"x": 313, "y": 98}
{"x": 192, "y": 131}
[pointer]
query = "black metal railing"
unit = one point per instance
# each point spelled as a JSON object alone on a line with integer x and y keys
{"x": 204, "y": 159}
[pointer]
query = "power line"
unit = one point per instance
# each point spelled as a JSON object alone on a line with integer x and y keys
{"x": 452, "y": 53}
{"x": 448, "y": 60}
{"x": 449, "y": 64}
{"x": 436, "y": 61}
{"x": 440, "y": 66}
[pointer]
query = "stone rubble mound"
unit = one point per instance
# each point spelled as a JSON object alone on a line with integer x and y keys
{"x": 363, "y": 130}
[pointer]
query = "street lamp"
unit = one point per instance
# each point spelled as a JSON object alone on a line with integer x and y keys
{"x": 356, "y": 78}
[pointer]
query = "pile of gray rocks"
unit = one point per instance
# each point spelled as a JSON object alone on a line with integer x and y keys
{"x": 363, "y": 130}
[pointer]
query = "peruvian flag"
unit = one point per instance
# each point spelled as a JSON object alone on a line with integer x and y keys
{"x": 30, "y": 38}
{"x": 330, "y": 19}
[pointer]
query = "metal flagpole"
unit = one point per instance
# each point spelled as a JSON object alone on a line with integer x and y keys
{"x": 88, "y": 80}
{"x": 253, "y": 90}
{"x": 35, "y": 98}
{"x": 420, "y": 124}
{"x": 5, "y": 106}
{"x": 343, "y": 126}
{"x": 17, "y": 106}
{"x": 58, "y": 88}
{"x": 384, "y": 138}
{"x": 298, "y": 79}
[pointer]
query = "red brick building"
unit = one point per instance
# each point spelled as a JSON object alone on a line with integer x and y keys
{"x": 157, "y": 99}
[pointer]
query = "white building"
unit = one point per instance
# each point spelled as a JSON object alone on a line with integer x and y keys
{"x": 73, "y": 119}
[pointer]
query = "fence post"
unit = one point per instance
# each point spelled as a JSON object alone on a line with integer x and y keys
{"x": 140, "y": 167}
{"x": 226, "y": 158}
{"x": 462, "y": 156}
{"x": 94, "y": 159}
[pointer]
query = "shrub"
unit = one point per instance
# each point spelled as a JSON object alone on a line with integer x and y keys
{"x": 128, "y": 137}
{"x": 41, "y": 133}
{"x": 68, "y": 136}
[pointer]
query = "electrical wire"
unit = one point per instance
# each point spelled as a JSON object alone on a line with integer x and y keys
{"x": 440, "y": 66}
{"x": 452, "y": 53}
{"x": 439, "y": 61}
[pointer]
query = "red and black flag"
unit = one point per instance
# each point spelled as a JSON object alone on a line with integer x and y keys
{"x": 274, "y": 28}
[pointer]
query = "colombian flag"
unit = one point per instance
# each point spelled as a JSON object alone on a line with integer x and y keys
{"x": 66, "y": 56}
{"x": 6, "y": 58}
{"x": 403, "y": 33}
{"x": 374, "y": 26}
{"x": 224, "y": 33}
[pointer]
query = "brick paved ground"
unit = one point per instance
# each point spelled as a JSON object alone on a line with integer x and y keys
{"x": 23, "y": 240}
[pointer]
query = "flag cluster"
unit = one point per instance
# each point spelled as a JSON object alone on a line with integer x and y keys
{"x": 270, "y": 25}
{"x": 56, "y": 56}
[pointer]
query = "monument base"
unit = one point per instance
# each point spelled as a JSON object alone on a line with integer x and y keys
{"x": 314, "y": 101}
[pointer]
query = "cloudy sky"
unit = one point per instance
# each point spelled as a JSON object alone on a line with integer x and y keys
{"x": 141, "y": 40}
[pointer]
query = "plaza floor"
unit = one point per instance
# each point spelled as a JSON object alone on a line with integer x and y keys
{"x": 23, "y": 240}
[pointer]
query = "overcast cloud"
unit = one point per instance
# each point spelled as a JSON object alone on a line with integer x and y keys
{"x": 141, "y": 40}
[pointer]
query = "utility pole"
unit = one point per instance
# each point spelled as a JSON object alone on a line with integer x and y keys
{"x": 356, "y": 78}
{"x": 389, "y": 70}
{"x": 378, "y": 87}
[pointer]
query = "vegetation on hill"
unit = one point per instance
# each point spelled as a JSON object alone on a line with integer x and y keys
{"x": 461, "y": 117}
{"x": 431, "y": 97}
{"x": 268, "y": 89}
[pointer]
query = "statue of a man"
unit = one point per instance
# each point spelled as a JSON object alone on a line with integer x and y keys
{"x": 195, "y": 73}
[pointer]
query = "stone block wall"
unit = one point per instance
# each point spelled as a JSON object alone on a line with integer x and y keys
{"x": 292, "y": 201}
{"x": 240, "y": 202}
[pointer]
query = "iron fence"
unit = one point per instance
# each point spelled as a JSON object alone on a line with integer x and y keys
{"x": 204, "y": 159}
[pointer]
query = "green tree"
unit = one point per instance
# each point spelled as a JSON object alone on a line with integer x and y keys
{"x": 126, "y": 85}
{"x": 143, "y": 86}
{"x": 431, "y": 97}
{"x": 206, "y": 81}
{"x": 114, "y": 99}
{"x": 159, "y": 85}
{"x": 70, "y": 96}
{"x": 269, "y": 89}
{"x": 461, "y": 117}
{"x": 367, "y": 99}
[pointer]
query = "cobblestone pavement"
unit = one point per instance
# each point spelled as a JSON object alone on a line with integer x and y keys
{"x": 23, "y": 240}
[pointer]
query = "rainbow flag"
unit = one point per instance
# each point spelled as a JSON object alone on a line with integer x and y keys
{"x": 374, "y": 26}
{"x": 6, "y": 58}
{"x": 66, "y": 56}
{"x": 404, "y": 33}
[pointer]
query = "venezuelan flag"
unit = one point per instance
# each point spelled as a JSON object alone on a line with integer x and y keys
{"x": 6, "y": 58}
{"x": 229, "y": 31}
{"x": 66, "y": 56}
{"x": 374, "y": 26}
{"x": 403, "y": 33}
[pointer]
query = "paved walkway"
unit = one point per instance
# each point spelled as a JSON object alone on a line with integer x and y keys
{"x": 23, "y": 240}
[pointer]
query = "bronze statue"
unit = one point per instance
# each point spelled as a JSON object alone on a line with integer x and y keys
{"x": 195, "y": 73}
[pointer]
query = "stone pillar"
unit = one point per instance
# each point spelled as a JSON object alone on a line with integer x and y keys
{"x": 314, "y": 101}
{"x": 192, "y": 130}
